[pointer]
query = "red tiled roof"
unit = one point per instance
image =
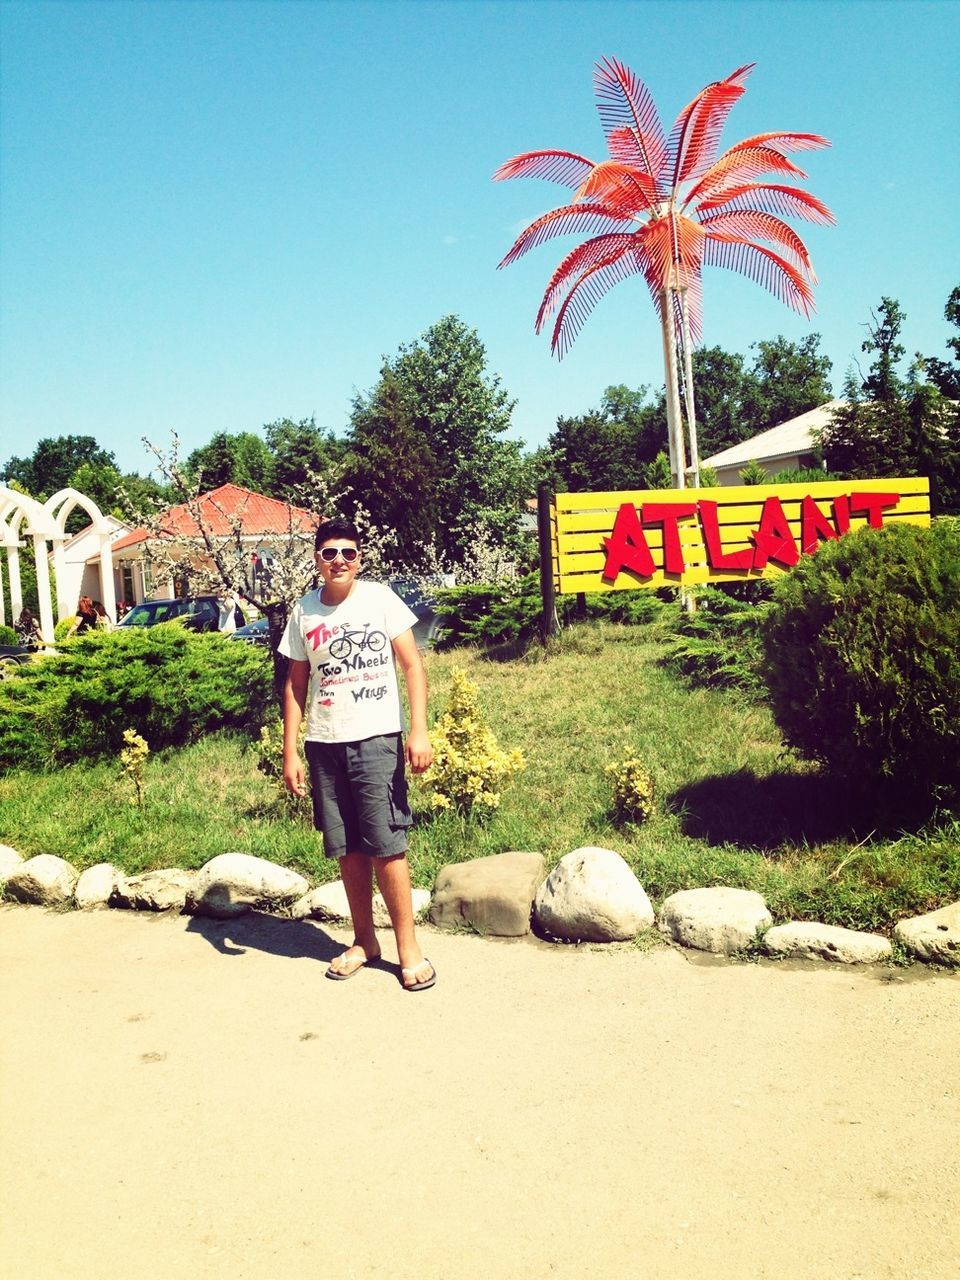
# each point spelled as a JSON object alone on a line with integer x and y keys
{"x": 221, "y": 509}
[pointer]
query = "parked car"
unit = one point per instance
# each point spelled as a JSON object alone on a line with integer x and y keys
{"x": 13, "y": 656}
{"x": 256, "y": 632}
{"x": 197, "y": 613}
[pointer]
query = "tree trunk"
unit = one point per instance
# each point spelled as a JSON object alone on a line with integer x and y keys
{"x": 674, "y": 423}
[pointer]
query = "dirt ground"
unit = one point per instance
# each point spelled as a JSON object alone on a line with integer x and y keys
{"x": 190, "y": 1098}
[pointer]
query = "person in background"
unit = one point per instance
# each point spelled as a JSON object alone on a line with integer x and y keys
{"x": 28, "y": 630}
{"x": 87, "y": 618}
{"x": 229, "y": 609}
{"x": 104, "y": 621}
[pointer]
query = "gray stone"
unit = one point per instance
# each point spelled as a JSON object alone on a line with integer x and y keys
{"x": 934, "y": 936}
{"x": 163, "y": 890}
{"x": 95, "y": 886}
{"x": 591, "y": 895}
{"x": 807, "y": 940}
{"x": 233, "y": 883}
{"x": 720, "y": 919}
{"x": 493, "y": 895}
{"x": 9, "y": 861}
{"x": 45, "y": 880}
{"x": 329, "y": 902}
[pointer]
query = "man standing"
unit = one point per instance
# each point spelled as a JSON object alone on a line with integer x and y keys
{"x": 343, "y": 641}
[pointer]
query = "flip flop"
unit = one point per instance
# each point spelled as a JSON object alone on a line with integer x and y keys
{"x": 337, "y": 976}
{"x": 427, "y": 982}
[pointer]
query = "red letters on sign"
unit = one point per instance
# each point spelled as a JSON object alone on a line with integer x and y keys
{"x": 773, "y": 539}
{"x": 627, "y": 547}
{"x": 669, "y": 514}
{"x": 717, "y": 558}
{"x": 873, "y": 504}
{"x": 814, "y": 525}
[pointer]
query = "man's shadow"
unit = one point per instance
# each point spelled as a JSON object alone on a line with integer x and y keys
{"x": 277, "y": 935}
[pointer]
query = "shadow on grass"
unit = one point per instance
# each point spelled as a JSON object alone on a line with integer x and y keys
{"x": 768, "y": 813}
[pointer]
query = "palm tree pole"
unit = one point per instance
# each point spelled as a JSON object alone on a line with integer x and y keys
{"x": 664, "y": 206}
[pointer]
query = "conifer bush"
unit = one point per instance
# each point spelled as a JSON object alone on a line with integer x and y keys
{"x": 862, "y": 661}
{"x": 171, "y": 685}
{"x": 469, "y": 767}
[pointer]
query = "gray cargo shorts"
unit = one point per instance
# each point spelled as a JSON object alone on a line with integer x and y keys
{"x": 359, "y": 792}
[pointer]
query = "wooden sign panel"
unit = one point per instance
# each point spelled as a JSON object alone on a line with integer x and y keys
{"x": 652, "y": 537}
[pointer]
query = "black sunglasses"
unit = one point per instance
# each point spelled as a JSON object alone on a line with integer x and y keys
{"x": 349, "y": 554}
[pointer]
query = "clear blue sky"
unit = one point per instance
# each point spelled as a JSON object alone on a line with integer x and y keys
{"x": 217, "y": 214}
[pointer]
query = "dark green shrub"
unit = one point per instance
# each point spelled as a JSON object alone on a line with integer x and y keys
{"x": 509, "y": 613}
{"x": 862, "y": 660}
{"x": 168, "y": 684}
{"x": 8, "y": 635}
{"x": 719, "y": 645}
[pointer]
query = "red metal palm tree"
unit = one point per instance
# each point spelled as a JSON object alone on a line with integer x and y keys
{"x": 664, "y": 206}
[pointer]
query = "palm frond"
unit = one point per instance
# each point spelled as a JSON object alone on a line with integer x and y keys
{"x": 567, "y": 220}
{"x": 577, "y": 263}
{"x": 584, "y": 295}
{"x": 627, "y": 109}
{"x": 754, "y": 224}
{"x": 784, "y": 141}
{"x": 692, "y": 144}
{"x": 765, "y": 268}
{"x": 769, "y": 197}
{"x": 565, "y": 167}
{"x": 748, "y": 163}
{"x": 623, "y": 185}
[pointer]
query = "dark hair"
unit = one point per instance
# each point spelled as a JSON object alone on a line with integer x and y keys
{"x": 336, "y": 528}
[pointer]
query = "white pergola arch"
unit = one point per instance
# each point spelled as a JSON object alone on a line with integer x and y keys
{"x": 22, "y": 518}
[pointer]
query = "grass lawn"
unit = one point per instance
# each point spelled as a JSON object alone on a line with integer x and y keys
{"x": 732, "y": 807}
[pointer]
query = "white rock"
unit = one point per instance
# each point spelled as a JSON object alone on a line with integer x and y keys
{"x": 808, "y": 940}
{"x": 329, "y": 902}
{"x": 720, "y": 919}
{"x": 45, "y": 880}
{"x": 233, "y": 883}
{"x": 591, "y": 895}
{"x": 96, "y": 885}
{"x": 9, "y": 861}
{"x": 163, "y": 890}
{"x": 934, "y": 936}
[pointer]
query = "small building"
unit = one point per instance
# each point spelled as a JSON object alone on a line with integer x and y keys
{"x": 789, "y": 446}
{"x": 259, "y": 523}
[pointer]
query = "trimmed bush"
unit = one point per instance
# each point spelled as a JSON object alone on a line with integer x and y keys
{"x": 8, "y": 635}
{"x": 862, "y": 660}
{"x": 170, "y": 685}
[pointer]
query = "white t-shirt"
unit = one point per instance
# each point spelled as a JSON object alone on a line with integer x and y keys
{"x": 353, "y": 677}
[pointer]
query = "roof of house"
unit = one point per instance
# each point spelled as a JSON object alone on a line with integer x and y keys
{"x": 221, "y": 510}
{"x": 796, "y": 435}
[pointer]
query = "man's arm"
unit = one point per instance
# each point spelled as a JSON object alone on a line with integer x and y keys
{"x": 294, "y": 703}
{"x": 419, "y": 751}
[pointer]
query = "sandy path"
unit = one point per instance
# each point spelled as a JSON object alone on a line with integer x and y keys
{"x": 185, "y": 1098}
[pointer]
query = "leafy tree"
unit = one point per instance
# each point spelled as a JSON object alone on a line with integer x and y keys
{"x": 299, "y": 449}
{"x": 894, "y": 426}
{"x": 390, "y": 459}
{"x": 785, "y": 380}
{"x": 54, "y": 462}
{"x": 461, "y": 411}
{"x": 241, "y": 459}
{"x": 946, "y": 377}
{"x": 606, "y": 448}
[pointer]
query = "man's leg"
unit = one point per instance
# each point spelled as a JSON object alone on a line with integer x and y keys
{"x": 357, "y": 874}
{"x": 393, "y": 877}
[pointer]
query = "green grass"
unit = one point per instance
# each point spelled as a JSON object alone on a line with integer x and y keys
{"x": 731, "y": 806}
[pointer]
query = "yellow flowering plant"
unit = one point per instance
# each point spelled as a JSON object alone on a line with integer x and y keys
{"x": 469, "y": 767}
{"x": 632, "y": 790}
{"x": 133, "y": 760}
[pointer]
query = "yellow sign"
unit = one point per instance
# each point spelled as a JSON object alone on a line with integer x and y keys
{"x": 652, "y": 537}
